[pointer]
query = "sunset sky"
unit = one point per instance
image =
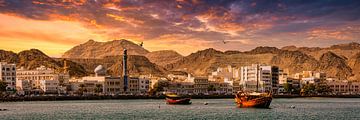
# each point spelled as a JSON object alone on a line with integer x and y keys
{"x": 55, "y": 26}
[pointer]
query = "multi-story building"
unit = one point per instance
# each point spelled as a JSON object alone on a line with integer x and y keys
{"x": 49, "y": 86}
{"x": 23, "y": 86}
{"x": 343, "y": 87}
{"x": 133, "y": 86}
{"x": 220, "y": 87}
{"x": 177, "y": 75}
{"x": 144, "y": 85}
{"x": 259, "y": 78}
{"x": 8, "y": 75}
{"x": 229, "y": 75}
{"x": 285, "y": 79}
{"x": 101, "y": 84}
{"x": 180, "y": 88}
{"x": 41, "y": 73}
{"x": 200, "y": 84}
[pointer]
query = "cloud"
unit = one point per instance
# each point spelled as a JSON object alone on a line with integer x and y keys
{"x": 257, "y": 22}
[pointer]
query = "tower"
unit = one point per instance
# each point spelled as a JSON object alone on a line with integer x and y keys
{"x": 125, "y": 76}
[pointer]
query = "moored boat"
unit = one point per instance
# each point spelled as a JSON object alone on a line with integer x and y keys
{"x": 176, "y": 99}
{"x": 253, "y": 100}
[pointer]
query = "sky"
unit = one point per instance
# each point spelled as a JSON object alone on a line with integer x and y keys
{"x": 186, "y": 26}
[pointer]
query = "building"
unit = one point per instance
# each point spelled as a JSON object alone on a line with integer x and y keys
{"x": 144, "y": 85}
{"x": 177, "y": 76}
{"x": 201, "y": 84}
{"x": 260, "y": 78}
{"x": 133, "y": 85}
{"x": 23, "y": 86}
{"x": 8, "y": 75}
{"x": 229, "y": 75}
{"x": 284, "y": 78}
{"x": 181, "y": 88}
{"x": 41, "y": 73}
{"x": 101, "y": 84}
{"x": 220, "y": 88}
{"x": 49, "y": 86}
{"x": 344, "y": 87}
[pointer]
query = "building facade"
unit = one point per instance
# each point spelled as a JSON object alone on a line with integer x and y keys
{"x": 41, "y": 73}
{"x": 260, "y": 78}
{"x": 8, "y": 75}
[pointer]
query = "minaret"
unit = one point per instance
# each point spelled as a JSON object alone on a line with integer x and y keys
{"x": 125, "y": 75}
{"x": 66, "y": 68}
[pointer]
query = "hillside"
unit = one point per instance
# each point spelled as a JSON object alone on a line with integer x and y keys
{"x": 346, "y": 51}
{"x": 137, "y": 65}
{"x": 34, "y": 58}
{"x": 205, "y": 61}
{"x": 164, "y": 57}
{"x": 92, "y": 49}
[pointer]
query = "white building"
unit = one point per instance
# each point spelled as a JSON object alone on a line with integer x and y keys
{"x": 259, "y": 77}
{"x": 144, "y": 85}
{"x": 181, "y": 88}
{"x": 8, "y": 74}
{"x": 106, "y": 84}
{"x": 41, "y": 73}
{"x": 201, "y": 84}
{"x": 229, "y": 75}
{"x": 23, "y": 86}
{"x": 49, "y": 86}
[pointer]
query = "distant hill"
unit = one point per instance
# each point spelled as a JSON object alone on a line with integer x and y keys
{"x": 341, "y": 61}
{"x": 164, "y": 57}
{"x": 335, "y": 60}
{"x": 34, "y": 58}
{"x": 92, "y": 49}
{"x": 137, "y": 65}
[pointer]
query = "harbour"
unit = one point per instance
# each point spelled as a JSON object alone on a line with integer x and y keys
{"x": 281, "y": 108}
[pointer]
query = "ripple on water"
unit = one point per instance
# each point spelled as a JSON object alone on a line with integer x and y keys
{"x": 305, "y": 108}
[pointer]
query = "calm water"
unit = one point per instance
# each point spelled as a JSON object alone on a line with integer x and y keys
{"x": 306, "y": 108}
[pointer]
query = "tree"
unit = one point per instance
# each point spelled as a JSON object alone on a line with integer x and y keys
{"x": 288, "y": 87}
{"x": 158, "y": 87}
{"x": 308, "y": 89}
{"x": 81, "y": 89}
{"x": 3, "y": 86}
{"x": 211, "y": 88}
{"x": 322, "y": 89}
{"x": 98, "y": 88}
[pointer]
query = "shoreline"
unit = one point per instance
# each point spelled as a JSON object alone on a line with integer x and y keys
{"x": 131, "y": 97}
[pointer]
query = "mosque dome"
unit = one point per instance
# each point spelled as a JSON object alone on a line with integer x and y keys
{"x": 100, "y": 70}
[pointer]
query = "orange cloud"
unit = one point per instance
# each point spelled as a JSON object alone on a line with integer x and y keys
{"x": 347, "y": 33}
{"x": 131, "y": 21}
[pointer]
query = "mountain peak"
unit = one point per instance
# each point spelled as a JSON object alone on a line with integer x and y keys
{"x": 347, "y": 46}
{"x": 265, "y": 49}
{"x": 93, "y": 49}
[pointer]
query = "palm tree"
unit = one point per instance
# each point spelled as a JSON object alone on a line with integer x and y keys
{"x": 81, "y": 89}
{"x": 98, "y": 88}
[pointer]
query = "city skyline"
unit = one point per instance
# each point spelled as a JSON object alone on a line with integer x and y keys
{"x": 184, "y": 26}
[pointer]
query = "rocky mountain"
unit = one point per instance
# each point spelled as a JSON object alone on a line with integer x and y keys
{"x": 137, "y": 65}
{"x": 164, "y": 57}
{"x": 354, "y": 63}
{"x": 335, "y": 65}
{"x": 205, "y": 61}
{"x": 92, "y": 49}
{"x": 34, "y": 58}
{"x": 8, "y": 56}
{"x": 343, "y": 50}
{"x": 294, "y": 61}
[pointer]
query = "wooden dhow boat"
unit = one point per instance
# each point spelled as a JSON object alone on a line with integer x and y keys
{"x": 177, "y": 99}
{"x": 253, "y": 100}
